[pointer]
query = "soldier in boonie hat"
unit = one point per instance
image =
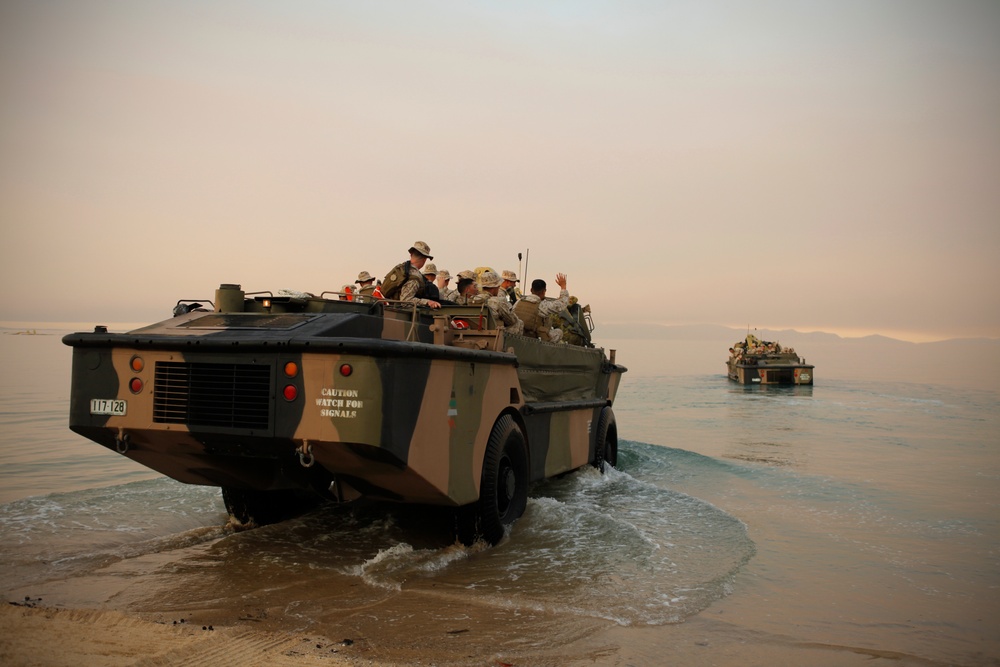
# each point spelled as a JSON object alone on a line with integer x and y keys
{"x": 509, "y": 285}
{"x": 467, "y": 275}
{"x": 489, "y": 279}
{"x": 498, "y": 303}
{"x": 405, "y": 281}
{"x": 431, "y": 290}
{"x": 366, "y": 288}
{"x": 446, "y": 292}
{"x": 421, "y": 248}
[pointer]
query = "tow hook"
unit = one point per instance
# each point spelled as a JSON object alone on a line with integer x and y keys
{"x": 306, "y": 455}
{"x": 122, "y": 441}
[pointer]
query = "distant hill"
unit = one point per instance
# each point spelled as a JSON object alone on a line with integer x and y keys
{"x": 718, "y": 332}
{"x": 647, "y": 331}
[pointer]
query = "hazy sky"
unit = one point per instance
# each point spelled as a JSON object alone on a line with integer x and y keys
{"x": 816, "y": 165}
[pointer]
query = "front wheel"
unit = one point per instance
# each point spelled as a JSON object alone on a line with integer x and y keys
{"x": 503, "y": 491}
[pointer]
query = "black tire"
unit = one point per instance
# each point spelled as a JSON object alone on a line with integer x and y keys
{"x": 503, "y": 492}
{"x": 261, "y": 508}
{"x": 606, "y": 449}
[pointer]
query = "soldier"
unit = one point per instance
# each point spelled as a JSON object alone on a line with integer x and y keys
{"x": 509, "y": 285}
{"x": 405, "y": 283}
{"x": 443, "y": 278}
{"x": 467, "y": 288}
{"x": 499, "y": 304}
{"x": 431, "y": 288}
{"x": 366, "y": 286}
{"x": 536, "y": 311}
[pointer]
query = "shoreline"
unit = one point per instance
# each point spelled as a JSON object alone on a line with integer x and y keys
{"x": 42, "y": 636}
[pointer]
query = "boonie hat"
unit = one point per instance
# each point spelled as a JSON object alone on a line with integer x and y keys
{"x": 510, "y": 275}
{"x": 443, "y": 273}
{"x": 429, "y": 269}
{"x": 364, "y": 277}
{"x": 490, "y": 279}
{"x": 467, "y": 275}
{"x": 421, "y": 248}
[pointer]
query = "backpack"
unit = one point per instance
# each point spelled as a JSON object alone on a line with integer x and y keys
{"x": 574, "y": 331}
{"x": 393, "y": 281}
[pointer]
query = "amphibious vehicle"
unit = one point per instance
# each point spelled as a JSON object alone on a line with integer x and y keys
{"x": 287, "y": 399}
{"x": 753, "y": 361}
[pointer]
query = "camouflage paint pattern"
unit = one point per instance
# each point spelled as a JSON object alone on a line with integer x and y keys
{"x": 348, "y": 399}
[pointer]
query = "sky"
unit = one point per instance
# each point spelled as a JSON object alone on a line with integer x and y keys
{"x": 816, "y": 165}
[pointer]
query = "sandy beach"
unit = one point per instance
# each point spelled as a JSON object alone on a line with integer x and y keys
{"x": 44, "y": 636}
{"x": 35, "y": 635}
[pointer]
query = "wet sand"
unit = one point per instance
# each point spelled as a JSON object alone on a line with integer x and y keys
{"x": 52, "y": 637}
{"x": 407, "y": 628}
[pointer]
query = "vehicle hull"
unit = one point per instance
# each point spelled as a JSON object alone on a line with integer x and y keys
{"x": 394, "y": 411}
{"x": 770, "y": 374}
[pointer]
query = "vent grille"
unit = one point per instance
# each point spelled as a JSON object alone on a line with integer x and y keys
{"x": 220, "y": 395}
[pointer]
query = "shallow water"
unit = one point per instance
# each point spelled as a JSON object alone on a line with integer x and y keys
{"x": 853, "y": 513}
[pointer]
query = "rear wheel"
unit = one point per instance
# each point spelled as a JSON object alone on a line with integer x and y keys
{"x": 260, "y": 508}
{"x": 606, "y": 451}
{"x": 503, "y": 492}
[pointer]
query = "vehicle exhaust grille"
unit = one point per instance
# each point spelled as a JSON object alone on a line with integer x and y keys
{"x": 204, "y": 394}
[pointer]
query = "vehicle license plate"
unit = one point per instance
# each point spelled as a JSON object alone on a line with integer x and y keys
{"x": 107, "y": 406}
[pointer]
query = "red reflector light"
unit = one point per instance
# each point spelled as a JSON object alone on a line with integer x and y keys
{"x": 291, "y": 369}
{"x": 345, "y": 369}
{"x": 290, "y": 392}
{"x": 135, "y": 385}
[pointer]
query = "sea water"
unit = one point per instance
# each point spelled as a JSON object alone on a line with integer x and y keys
{"x": 855, "y": 512}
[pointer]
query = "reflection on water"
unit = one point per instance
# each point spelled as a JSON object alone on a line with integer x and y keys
{"x": 771, "y": 432}
{"x": 604, "y": 546}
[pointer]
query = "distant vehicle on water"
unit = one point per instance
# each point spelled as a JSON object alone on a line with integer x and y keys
{"x": 286, "y": 400}
{"x": 753, "y": 361}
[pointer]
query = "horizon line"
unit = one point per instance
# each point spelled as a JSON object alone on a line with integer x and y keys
{"x": 851, "y": 333}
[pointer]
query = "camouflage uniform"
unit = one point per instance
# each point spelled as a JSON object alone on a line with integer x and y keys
{"x": 503, "y": 313}
{"x": 413, "y": 287}
{"x": 465, "y": 300}
{"x": 511, "y": 291}
{"x": 363, "y": 292}
{"x": 547, "y": 308}
{"x": 446, "y": 292}
{"x": 499, "y": 304}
